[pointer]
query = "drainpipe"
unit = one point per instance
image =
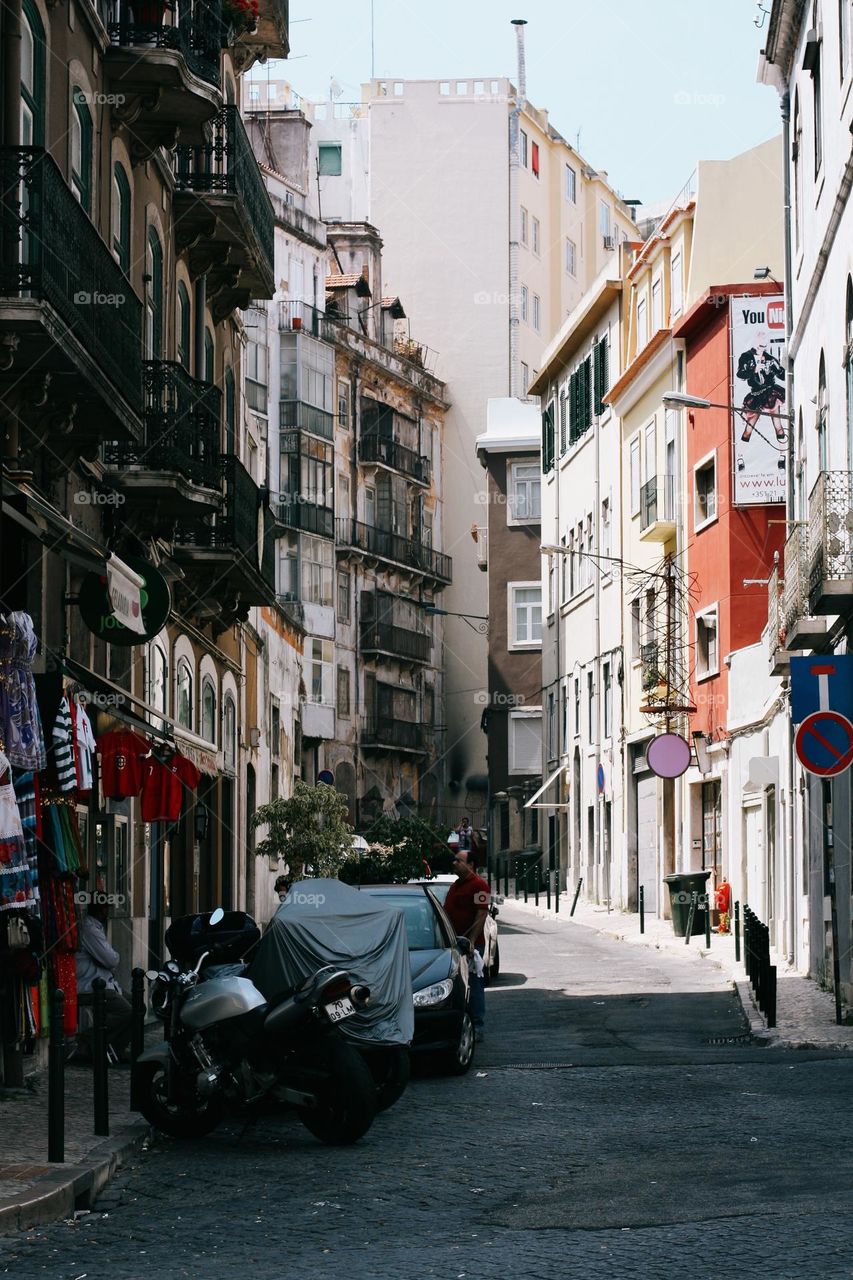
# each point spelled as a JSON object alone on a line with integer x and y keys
{"x": 599, "y": 691}
{"x": 790, "y": 504}
{"x": 515, "y": 211}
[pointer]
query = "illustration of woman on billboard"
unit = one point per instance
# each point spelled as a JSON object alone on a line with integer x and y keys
{"x": 759, "y": 367}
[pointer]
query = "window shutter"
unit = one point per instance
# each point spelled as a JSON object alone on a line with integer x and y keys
{"x": 548, "y": 439}
{"x": 602, "y": 374}
{"x": 563, "y": 441}
{"x": 573, "y": 407}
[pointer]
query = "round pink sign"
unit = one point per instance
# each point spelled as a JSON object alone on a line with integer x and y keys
{"x": 669, "y": 755}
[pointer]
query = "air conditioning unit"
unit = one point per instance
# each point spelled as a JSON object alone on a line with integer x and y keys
{"x": 610, "y": 242}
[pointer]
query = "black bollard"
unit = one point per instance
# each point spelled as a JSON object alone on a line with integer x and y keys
{"x": 506, "y": 877}
{"x": 577, "y": 895}
{"x": 526, "y": 878}
{"x": 536, "y": 885}
{"x": 691, "y": 915}
{"x": 56, "y": 1081}
{"x": 557, "y": 893}
{"x": 137, "y": 1002}
{"x": 708, "y": 921}
{"x": 99, "y": 1058}
{"x": 642, "y": 910}
{"x": 737, "y": 933}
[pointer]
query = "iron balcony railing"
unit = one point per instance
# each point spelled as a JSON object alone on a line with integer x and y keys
{"x": 236, "y": 530}
{"x": 302, "y": 317}
{"x": 657, "y": 501}
{"x": 296, "y": 512}
{"x": 830, "y": 531}
{"x": 50, "y": 251}
{"x": 295, "y": 415}
{"x": 392, "y": 546}
{"x": 795, "y": 592}
{"x": 775, "y": 622}
{"x": 227, "y": 166}
{"x": 181, "y": 426}
{"x": 193, "y": 28}
{"x": 376, "y": 448}
{"x": 386, "y": 731}
{"x": 386, "y": 629}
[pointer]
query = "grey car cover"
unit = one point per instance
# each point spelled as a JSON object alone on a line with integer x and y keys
{"x": 325, "y": 922}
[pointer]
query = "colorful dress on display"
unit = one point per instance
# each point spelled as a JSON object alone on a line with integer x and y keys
{"x": 16, "y": 889}
{"x": 20, "y": 723}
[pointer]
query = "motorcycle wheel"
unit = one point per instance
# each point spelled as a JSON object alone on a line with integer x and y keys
{"x": 346, "y": 1099}
{"x": 189, "y": 1119}
{"x": 391, "y": 1070}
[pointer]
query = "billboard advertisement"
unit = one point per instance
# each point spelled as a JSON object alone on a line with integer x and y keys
{"x": 757, "y": 327}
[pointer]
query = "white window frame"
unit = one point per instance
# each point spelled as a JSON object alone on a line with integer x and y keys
{"x": 634, "y": 481}
{"x": 526, "y": 713}
{"x": 571, "y": 184}
{"x": 537, "y": 312}
{"x": 702, "y": 522}
{"x": 512, "y": 518}
{"x": 514, "y": 645}
{"x": 525, "y": 378}
{"x": 712, "y": 611}
{"x": 525, "y": 302}
{"x": 642, "y": 324}
{"x": 571, "y": 252}
{"x": 657, "y": 305}
{"x": 605, "y": 224}
{"x": 676, "y": 285}
{"x": 536, "y": 236}
{"x": 327, "y": 671}
{"x": 524, "y": 226}
{"x": 523, "y": 147}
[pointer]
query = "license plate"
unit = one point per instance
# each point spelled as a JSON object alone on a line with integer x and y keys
{"x": 340, "y": 1009}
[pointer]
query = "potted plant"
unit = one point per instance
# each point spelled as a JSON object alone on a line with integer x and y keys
{"x": 240, "y": 16}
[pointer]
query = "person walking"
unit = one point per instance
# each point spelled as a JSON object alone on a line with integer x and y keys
{"x": 96, "y": 958}
{"x": 467, "y": 905}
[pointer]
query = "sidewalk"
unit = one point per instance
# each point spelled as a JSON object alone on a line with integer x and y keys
{"x": 805, "y": 1015}
{"x": 32, "y": 1191}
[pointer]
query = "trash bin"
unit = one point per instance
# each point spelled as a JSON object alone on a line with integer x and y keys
{"x": 681, "y": 887}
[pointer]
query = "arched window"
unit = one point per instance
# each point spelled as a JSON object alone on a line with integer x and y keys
{"x": 208, "y": 710}
{"x": 822, "y": 417}
{"x": 32, "y": 77}
{"x": 229, "y": 732}
{"x": 184, "y": 323}
{"x": 81, "y": 149}
{"x": 230, "y": 412}
{"x": 121, "y": 214}
{"x": 158, "y": 691}
{"x": 184, "y": 694}
{"x": 817, "y": 97}
{"x": 797, "y": 160}
{"x": 848, "y": 365}
{"x": 154, "y": 296}
{"x": 208, "y": 356}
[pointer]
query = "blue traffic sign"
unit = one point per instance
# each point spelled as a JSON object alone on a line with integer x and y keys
{"x": 823, "y": 682}
{"x": 825, "y": 743}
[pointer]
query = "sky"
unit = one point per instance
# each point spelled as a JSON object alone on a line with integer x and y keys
{"x": 651, "y": 87}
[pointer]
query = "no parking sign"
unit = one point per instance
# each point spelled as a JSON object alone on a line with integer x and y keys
{"x": 825, "y": 743}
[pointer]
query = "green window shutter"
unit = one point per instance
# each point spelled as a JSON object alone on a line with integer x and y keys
{"x": 563, "y": 439}
{"x": 573, "y": 407}
{"x": 122, "y": 245}
{"x": 602, "y": 374}
{"x": 586, "y": 404}
{"x": 548, "y": 439}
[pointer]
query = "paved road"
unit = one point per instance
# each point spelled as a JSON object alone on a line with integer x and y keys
{"x": 599, "y": 1135}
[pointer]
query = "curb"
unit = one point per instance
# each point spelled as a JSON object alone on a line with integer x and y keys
{"x": 68, "y": 1187}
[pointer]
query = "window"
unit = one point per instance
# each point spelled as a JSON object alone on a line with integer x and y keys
{"x": 601, "y": 374}
{"x": 569, "y": 574}
{"x": 590, "y": 705}
{"x": 344, "y": 692}
{"x": 636, "y": 635}
{"x": 844, "y": 37}
{"x": 537, "y": 312}
{"x": 32, "y": 77}
{"x": 604, "y": 218}
{"x": 577, "y": 688}
{"x": 184, "y": 325}
{"x": 184, "y": 694}
{"x": 343, "y": 597}
{"x": 552, "y": 726}
{"x": 525, "y": 302}
{"x": 461, "y": 88}
{"x": 523, "y": 148}
{"x": 208, "y": 356}
{"x": 705, "y": 492}
{"x": 605, "y": 536}
{"x": 444, "y": 88}
{"x": 229, "y": 733}
{"x": 571, "y": 257}
{"x": 342, "y": 497}
{"x": 524, "y": 226}
{"x": 564, "y": 717}
{"x": 642, "y": 325}
{"x": 817, "y": 101}
{"x": 288, "y": 573}
{"x": 547, "y": 434}
{"x": 524, "y": 493}
{"x": 525, "y": 378}
{"x": 564, "y": 423}
{"x": 525, "y": 742}
{"x": 797, "y": 162}
{"x": 329, "y": 159}
{"x": 230, "y": 412}
{"x": 650, "y": 459}
{"x": 344, "y": 404}
{"x": 534, "y": 159}
{"x": 154, "y": 296}
{"x": 159, "y": 680}
{"x": 657, "y": 306}
{"x": 822, "y": 420}
{"x": 274, "y": 782}
{"x": 571, "y": 184}
{"x": 676, "y": 285}
{"x": 525, "y": 623}
{"x": 319, "y": 662}
{"x": 275, "y": 729}
{"x": 635, "y": 475}
{"x": 707, "y": 656}
{"x": 318, "y": 566}
{"x": 254, "y": 93}
{"x": 121, "y": 218}
{"x": 208, "y": 710}
{"x": 536, "y": 236}
{"x": 607, "y": 699}
{"x": 81, "y": 150}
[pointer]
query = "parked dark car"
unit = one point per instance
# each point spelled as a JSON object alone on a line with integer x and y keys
{"x": 439, "y": 965}
{"x": 440, "y": 887}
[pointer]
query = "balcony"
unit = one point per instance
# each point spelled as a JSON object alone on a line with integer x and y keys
{"x": 176, "y": 466}
{"x": 780, "y": 658}
{"x": 802, "y": 631}
{"x": 292, "y": 511}
{"x": 831, "y": 543}
{"x": 224, "y": 220}
{"x": 416, "y": 352}
{"x": 482, "y": 541}
{"x": 301, "y": 317}
{"x": 377, "y": 449}
{"x": 295, "y": 415}
{"x": 403, "y": 553}
{"x": 386, "y": 630}
{"x": 657, "y": 509}
{"x": 164, "y": 64}
{"x": 385, "y": 733}
{"x": 228, "y": 557}
{"x": 70, "y": 322}
{"x": 269, "y": 39}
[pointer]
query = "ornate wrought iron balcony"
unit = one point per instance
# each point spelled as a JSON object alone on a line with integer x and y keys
{"x": 224, "y": 217}
{"x": 404, "y": 552}
{"x": 64, "y": 298}
{"x": 384, "y": 733}
{"x": 802, "y": 630}
{"x": 385, "y": 629}
{"x": 390, "y": 453}
{"x": 831, "y": 543}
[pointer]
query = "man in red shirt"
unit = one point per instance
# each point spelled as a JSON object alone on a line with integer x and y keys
{"x": 467, "y": 905}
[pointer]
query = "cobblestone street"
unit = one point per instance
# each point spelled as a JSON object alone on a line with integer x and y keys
{"x": 598, "y": 1134}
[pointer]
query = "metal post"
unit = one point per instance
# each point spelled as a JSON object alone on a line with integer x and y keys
{"x": 577, "y": 895}
{"x": 536, "y": 883}
{"x": 557, "y": 893}
{"x": 642, "y": 910}
{"x": 548, "y": 891}
{"x": 708, "y": 921}
{"x": 137, "y": 1001}
{"x": 56, "y": 1081}
{"x": 99, "y": 1058}
{"x": 506, "y": 876}
{"x": 771, "y": 996}
{"x": 526, "y": 877}
{"x": 737, "y": 933}
{"x": 690, "y": 917}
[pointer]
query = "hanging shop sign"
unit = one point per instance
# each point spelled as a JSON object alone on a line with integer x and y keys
{"x": 125, "y": 608}
{"x": 668, "y": 755}
{"x": 759, "y": 427}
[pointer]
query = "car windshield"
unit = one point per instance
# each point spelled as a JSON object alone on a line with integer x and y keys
{"x": 422, "y": 924}
{"x": 440, "y": 890}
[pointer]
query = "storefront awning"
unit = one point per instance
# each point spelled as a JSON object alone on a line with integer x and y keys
{"x": 118, "y": 702}
{"x": 42, "y": 520}
{"x": 553, "y": 804}
{"x": 203, "y": 755}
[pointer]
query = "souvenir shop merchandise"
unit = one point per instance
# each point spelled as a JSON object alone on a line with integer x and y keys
{"x": 84, "y": 747}
{"x": 163, "y": 788}
{"x": 20, "y": 724}
{"x": 62, "y": 737}
{"x": 16, "y": 881}
{"x": 122, "y": 770}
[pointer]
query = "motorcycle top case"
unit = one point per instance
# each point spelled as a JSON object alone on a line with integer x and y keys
{"x": 324, "y": 922}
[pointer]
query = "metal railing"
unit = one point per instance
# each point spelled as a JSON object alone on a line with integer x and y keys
{"x": 50, "y": 251}
{"x": 299, "y": 416}
{"x": 302, "y": 317}
{"x": 830, "y": 530}
{"x": 295, "y": 512}
{"x": 392, "y": 546}
{"x": 795, "y": 591}
{"x": 657, "y": 500}
{"x": 235, "y": 529}
{"x": 388, "y": 731}
{"x": 377, "y": 448}
{"x": 385, "y": 636}
{"x": 194, "y": 30}
{"x": 227, "y": 166}
{"x": 775, "y": 623}
{"x": 416, "y": 352}
{"x": 756, "y": 959}
{"x": 181, "y": 426}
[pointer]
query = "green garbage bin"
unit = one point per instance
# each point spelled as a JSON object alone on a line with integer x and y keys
{"x": 681, "y": 887}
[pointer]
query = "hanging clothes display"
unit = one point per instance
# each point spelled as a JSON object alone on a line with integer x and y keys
{"x": 163, "y": 787}
{"x": 62, "y": 737}
{"x": 84, "y": 746}
{"x": 20, "y": 723}
{"x": 16, "y": 889}
{"x": 122, "y": 752}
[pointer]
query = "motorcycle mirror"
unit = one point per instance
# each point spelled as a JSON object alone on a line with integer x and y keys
{"x": 173, "y": 967}
{"x": 152, "y": 975}
{"x": 217, "y": 916}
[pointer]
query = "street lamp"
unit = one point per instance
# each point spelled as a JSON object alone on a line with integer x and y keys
{"x": 681, "y": 400}
{"x": 468, "y": 618}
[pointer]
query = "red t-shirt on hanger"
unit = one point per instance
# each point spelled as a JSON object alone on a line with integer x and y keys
{"x": 121, "y": 755}
{"x": 163, "y": 787}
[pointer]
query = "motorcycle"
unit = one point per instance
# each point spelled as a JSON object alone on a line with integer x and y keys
{"x": 227, "y": 1048}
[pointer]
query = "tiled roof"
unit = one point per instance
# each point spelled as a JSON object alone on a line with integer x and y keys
{"x": 348, "y": 281}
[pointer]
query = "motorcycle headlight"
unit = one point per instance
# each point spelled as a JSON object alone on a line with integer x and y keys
{"x": 433, "y": 995}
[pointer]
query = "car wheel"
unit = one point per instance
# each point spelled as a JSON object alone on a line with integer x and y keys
{"x": 459, "y": 1059}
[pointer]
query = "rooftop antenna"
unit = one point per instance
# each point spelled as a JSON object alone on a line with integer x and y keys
{"x": 520, "y": 24}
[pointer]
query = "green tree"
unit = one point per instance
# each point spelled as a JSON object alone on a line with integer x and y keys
{"x": 309, "y": 830}
{"x": 401, "y": 849}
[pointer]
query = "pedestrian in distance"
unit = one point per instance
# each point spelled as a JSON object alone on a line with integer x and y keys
{"x": 282, "y": 887}
{"x": 465, "y": 833}
{"x": 467, "y": 905}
